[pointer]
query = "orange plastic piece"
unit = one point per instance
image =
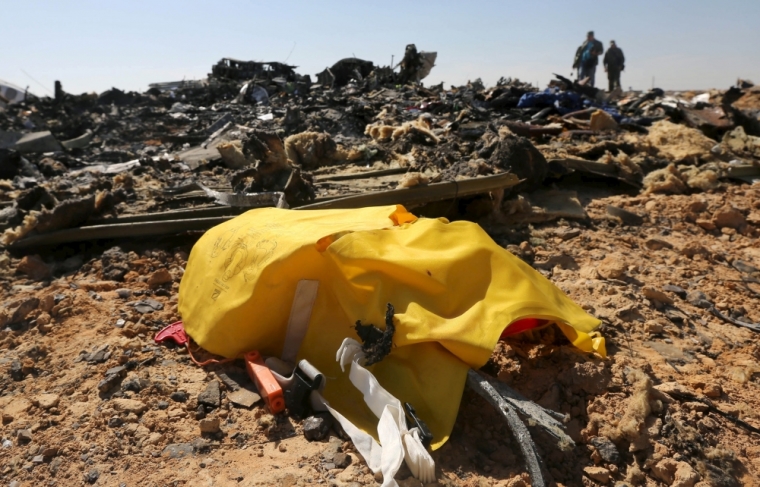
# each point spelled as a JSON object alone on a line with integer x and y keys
{"x": 269, "y": 388}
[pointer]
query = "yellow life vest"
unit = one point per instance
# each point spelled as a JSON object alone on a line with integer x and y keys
{"x": 453, "y": 288}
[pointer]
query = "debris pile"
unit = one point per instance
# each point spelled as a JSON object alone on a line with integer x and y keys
{"x": 643, "y": 207}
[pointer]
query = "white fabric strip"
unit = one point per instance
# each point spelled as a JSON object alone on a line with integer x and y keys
{"x": 398, "y": 442}
{"x": 300, "y": 315}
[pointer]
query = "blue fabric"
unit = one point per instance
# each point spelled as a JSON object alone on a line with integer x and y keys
{"x": 563, "y": 101}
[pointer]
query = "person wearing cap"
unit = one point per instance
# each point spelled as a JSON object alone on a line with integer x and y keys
{"x": 587, "y": 58}
{"x": 614, "y": 63}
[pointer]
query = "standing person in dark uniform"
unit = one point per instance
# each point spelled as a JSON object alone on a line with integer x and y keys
{"x": 614, "y": 63}
{"x": 587, "y": 58}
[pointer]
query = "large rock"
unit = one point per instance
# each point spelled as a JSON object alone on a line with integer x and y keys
{"x": 728, "y": 217}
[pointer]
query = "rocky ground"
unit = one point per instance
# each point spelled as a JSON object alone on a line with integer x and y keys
{"x": 87, "y": 397}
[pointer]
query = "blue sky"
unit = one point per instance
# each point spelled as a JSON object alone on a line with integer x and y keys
{"x": 93, "y": 45}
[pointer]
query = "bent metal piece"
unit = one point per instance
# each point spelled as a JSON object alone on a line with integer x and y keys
{"x": 421, "y": 194}
{"x": 480, "y": 385}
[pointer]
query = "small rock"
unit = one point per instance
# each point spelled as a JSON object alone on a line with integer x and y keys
{"x": 697, "y": 206}
{"x": 17, "y": 408}
{"x": 599, "y": 474}
{"x": 728, "y": 216}
{"x": 134, "y": 384}
{"x": 712, "y": 389}
{"x": 210, "y": 425}
{"x": 43, "y": 319}
{"x": 26, "y": 307}
{"x": 744, "y": 267}
{"x": 16, "y": 371}
{"x": 665, "y": 470}
{"x": 699, "y": 299}
{"x": 342, "y": 460}
{"x": 129, "y": 406}
{"x": 178, "y": 450}
{"x": 706, "y": 224}
{"x": 92, "y": 476}
{"x": 607, "y": 449}
{"x": 99, "y": 355}
{"x": 568, "y": 233}
{"x": 706, "y": 424}
{"x": 46, "y": 303}
{"x": 317, "y": 427}
{"x": 162, "y": 405}
{"x": 612, "y": 267}
{"x": 694, "y": 248}
{"x": 115, "y": 422}
{"x": 47, "y": 401}
{"x": 200, "y": 413}
{"x": 655, "y": 295}
{"x": 657, "y": 244}
{"x": 38, "y": 459}
{"x": 685, "y": 476}
{"x": 161, "y": 276}
{"x": 178, "y": 396}
{"x": 589, "y": 272}
{"x": 109, "y": 383}
{"x": 120, "y": 323}
{"x": 653, "y": 327}
{"x": 55, "y": 465}
{"x": 124, "y": 293}
{"x": 49, "y": 452}
{"x": 626, "y": 217}
{"x": 212, "y": 395}
{"x": 148, "y": 306}
{"x": 243, "y": 397}
{"x": 114, "y": 376}
{"x": 24, "y": 436}
{"x": 678, "y": 291}
{"x": 282, "y": 447}
{"x": 34, "y": 267}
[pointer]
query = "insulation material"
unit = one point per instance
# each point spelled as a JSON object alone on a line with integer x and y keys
{"x": 739, "y": 142}
{"x": 625, "y": 166}
{"x": 678, "y": 143}
{"x": 421, "y": 126}
{"x": 315, "y": 149}
{"x": 602, "y": 121}
{"x": 232, "y": 154}
{"x": 13, "y": 234}
{"x": 674, "y": 180}
{"x": 411, "y": 179}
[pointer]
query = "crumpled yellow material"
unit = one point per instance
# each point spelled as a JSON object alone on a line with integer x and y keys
{"x": 453, "y": 288}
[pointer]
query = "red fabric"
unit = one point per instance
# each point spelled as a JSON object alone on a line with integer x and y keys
{"x": 522, "y": 325}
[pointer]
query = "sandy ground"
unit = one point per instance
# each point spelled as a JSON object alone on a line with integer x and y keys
{"x": 657, "y": 411}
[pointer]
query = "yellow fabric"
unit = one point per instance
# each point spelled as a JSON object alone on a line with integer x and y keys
{"x": 454, "y": 290}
